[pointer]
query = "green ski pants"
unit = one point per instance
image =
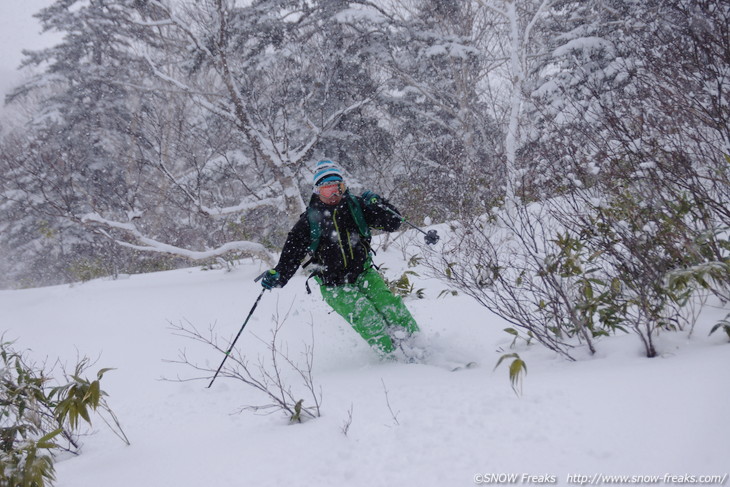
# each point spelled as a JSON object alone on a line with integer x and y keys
{"x": 371, "y": 309}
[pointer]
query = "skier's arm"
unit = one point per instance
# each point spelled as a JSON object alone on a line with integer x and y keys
{"x": 295, "y": 249}
{"x": 377, "y": 215}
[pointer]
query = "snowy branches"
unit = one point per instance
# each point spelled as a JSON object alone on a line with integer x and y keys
{"x": 270, "y": 373}
{"x": 138, "y": 241}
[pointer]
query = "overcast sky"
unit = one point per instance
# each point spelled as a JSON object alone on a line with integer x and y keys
{"x": 18, "y": 31}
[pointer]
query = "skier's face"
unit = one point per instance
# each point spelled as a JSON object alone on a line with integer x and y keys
{"x": 331, "y": 194}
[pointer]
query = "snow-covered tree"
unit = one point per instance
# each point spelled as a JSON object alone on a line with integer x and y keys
{"x": 50, "y": 178}
{"x": 442, "y": 131}
{"x": 629, "y": 126}
{"x": 186, "y": 129}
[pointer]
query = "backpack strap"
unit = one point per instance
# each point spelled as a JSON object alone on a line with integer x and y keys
{"x": 359, "y": 217}
{"x": 315, "y": 229}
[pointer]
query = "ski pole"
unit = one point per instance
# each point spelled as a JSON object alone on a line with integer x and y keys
{"x": 431, "y": 237}
{"x": 239, "y": 333}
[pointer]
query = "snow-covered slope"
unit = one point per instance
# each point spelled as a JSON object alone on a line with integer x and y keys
{"x": 409, "y": 424}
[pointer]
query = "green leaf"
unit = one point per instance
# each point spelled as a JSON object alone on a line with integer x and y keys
{"x": 446, "y": 292}
{"x": 517, "y": 368}
{"x": 723, "y": 325}
{"x": 101, "y": 372}
{"x": 46, "y": 442}
{"x": 616, "y": 285}
{"x": 84, "y": 413}
{"x": 72, "y": 414}
{"x": 94, "y": 394}
{"x": 505, "y": 357}
{"x": 587, "y": 290}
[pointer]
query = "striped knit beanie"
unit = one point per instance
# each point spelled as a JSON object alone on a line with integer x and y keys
{"x": 326, "y": 171}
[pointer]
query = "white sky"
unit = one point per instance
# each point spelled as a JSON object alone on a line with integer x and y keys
{"x": 18, "y": 31}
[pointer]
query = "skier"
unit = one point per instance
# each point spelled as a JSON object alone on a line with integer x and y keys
{"x": 335, "y": 232}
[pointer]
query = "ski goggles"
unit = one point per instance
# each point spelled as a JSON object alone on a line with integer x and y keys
{"x": 332, "y": 189}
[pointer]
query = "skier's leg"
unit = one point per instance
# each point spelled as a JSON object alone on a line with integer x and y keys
{"x": 362, "y": 315}
{"x": 389, "y": 305}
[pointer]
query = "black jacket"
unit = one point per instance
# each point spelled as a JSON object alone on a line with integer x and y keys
{"x": 342, "y": 253}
